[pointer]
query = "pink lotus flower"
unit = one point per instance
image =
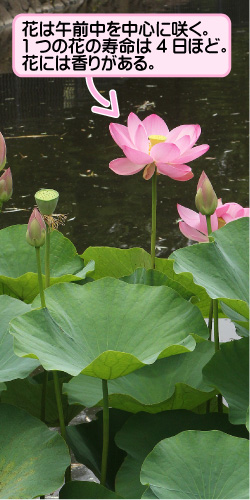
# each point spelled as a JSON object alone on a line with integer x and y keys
{"x": 194, "y": 225}
{"x": 149, "y": 143}
{"x": 2, "y": 152}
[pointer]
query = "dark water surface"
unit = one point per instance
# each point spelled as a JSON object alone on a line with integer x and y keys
{"x": 74, "y": 146}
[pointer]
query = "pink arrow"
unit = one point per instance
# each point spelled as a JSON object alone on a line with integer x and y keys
{"x": 113, "y": 111}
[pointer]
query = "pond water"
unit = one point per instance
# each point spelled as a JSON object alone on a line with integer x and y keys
{"x": 54, "y": 140}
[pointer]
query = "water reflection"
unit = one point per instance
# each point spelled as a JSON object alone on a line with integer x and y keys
{"x": 55, "y": 141}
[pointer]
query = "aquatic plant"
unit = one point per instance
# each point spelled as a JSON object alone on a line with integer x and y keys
{"x": 127, "y": 333}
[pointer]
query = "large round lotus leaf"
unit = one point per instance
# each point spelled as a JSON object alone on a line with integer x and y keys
{"x": 11, "y": 366}
{"x": 196, "y": 464}
{"x": 170, "y": 383}
{"x": 221, "y": 267}
{"x": 115, "y": 262}
{"x": 142, "y": 432}
{"x": 18, "y": 269}
{"x": 228, "y": 371}
{"x": 33, "y": 458}
{"x": 119, "y": 263}
{"x": 85, "y": 489}
{"x": 107, "y": 328}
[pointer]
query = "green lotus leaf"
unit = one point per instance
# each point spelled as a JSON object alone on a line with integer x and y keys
{"x": 221, "y": 266}
{"x": 228, "y": 371}
{"x": 238, "y": 312}
{"x": 11, "y": 366}
{"x": 33, "y": 458}
{"x": 85, "y": 489}
{"x": 18, "y": 269}
{"x": 85, "y": 440}
{"x": 247, "y": 420}
{"x": 199, "y": 295}
{"x": 151, "y": 277}
{"x": 2, "y": 387}
{"x": 91, "y": 329}
{"x": 143, "y": 431}
{"x": 170, "y": 383}
{"x": 197, "y": 464}
{"x": 120, "y": 263}
{"x": 116, "y": 262}
{"x": 27, "y": 394}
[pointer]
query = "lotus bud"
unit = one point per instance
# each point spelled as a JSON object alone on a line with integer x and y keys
{"x": 206, "y": 200}
{"x": 35, "y": 235}
{"x": 2, "y": 152}
{"x": 46, "y": 200}
{"x": 5, "y": 186}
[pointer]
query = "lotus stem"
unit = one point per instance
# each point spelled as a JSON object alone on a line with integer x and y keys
{"x": 44, "y": 394}
{"x": 210, "y": 323}
{"x": 47, "y": 256}
{"x": 40, "y": 279}
{"x": 209, "y": 227}
{"x": 210, "y": 319}
{"x": 153, "y": 227}
{"x": 58, "y": 393}
{"x": 217, "y": 344}
{"x": 105, "y": 446}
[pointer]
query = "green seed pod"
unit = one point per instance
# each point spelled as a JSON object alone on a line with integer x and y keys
{"x": 46, "y": 200}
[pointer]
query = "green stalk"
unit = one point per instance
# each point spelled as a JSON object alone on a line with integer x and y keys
{"x": 214, "y": 312}
{"x": 210, "y": 323}
{"x": 210, "y": 319}
{"x": 209, "y": 227}
{"x": 44, "y": 393}
{"x": 153, "y": 227}
{"x": 105, "y": 432}
{"x": 55, "y": 374}
{"x": 61, "y": 417}
{"x": 217, "y": 344}
{"x": 47, "y": 284}
{"x": 47, "y": 256}
{"x": 40, "y": 279}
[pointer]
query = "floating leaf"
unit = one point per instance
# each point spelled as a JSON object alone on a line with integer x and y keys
{"x": 91, "y": 329}
{"x": 221, "y": 267}
{"x": 33, "y": 458}
{"x": 170, "y": 383}
{"x": 85, "y": 440}
{"x": 115, "y": 262}
{"x": 18, "y": 269}
{"x": 11, "y": 366}
{"x": 85, "y": 489}
{"x": 228, "y": 372}
{"x": 197, "y": 464}
{"x": 142, "y": 432}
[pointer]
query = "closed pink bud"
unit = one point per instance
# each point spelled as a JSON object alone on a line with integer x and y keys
{"x": 2, "y": 152}
{"x": 35, "y": 235}
{"x": 206, "y": 200}
{"x": 5, "y": 186}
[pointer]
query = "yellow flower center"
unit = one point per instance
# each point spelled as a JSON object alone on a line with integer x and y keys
{"x": 156, "y": 139}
